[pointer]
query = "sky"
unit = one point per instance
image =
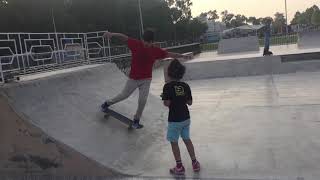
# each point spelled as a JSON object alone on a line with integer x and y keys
{"x": 258, "y": 8}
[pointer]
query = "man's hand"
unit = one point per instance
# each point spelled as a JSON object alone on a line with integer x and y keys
{"x": 184, "y": 56}
{"x": 188, "y": 55}
{"x": 108, "y": 35}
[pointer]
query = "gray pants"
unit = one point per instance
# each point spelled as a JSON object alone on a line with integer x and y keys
{"x": 131, "y": 85}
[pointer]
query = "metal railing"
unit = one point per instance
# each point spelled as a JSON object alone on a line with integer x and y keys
{"x": 281, "y": 39}
{"x": 24, "y": 53}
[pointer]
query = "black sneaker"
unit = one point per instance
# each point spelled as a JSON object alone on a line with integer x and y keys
{"x": 105, "y": 107}
{"x": 137, "y": 125}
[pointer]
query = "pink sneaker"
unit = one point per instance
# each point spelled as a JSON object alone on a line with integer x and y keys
{"x": 177, "y": 171}
{"x": 196, "y": 166}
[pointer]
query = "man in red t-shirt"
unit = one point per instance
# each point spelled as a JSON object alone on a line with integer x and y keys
{"x": 144, "y": 54}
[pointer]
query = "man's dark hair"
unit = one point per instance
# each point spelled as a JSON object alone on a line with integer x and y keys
{"x": 148, "y": 35}
{"x": 176, "y": 70}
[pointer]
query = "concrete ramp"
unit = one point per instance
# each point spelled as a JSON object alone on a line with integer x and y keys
{"x": 66, "y": 106}
{"x": 309, "y": 39}
{"x": 261, "y": 127}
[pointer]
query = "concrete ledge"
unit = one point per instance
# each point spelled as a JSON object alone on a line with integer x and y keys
{"x": 243, "y": 44}
{"x": 300, "y": 57}
{"x": 309, "y": 39}
{"x": 247, "y": 67}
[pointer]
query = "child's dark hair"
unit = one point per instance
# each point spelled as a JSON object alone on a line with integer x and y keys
{"x": 176, "y": 70}
{"x": 148, "y": 35}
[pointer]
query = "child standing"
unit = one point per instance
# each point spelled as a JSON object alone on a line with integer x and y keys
{"x": 177, "y": 95}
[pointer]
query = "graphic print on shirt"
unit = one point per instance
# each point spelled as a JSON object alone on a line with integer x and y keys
{"x": 179, "y": 91}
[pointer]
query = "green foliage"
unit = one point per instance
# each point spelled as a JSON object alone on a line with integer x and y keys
{"x": 253, "y": 20}
{"x": 266, "y": 20}
{"x": 226, "y": 18}
{"x": 279, "y": 23}
{"x": 182, "y": 5}
{"x": 210, "y": 15}
{"x": 295, "y": 20}
{"x": 197, "y": 27}
{"x": 305, "y": 17}
{"x": 238, "y": 20}
{"x": 98, "y": 15}
{"x": 315, "y": 19}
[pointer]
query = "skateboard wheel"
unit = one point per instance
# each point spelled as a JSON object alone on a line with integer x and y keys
{"x": 130, "y": 126}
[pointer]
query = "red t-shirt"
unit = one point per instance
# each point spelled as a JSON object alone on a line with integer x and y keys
{"x": 143, "y": 59}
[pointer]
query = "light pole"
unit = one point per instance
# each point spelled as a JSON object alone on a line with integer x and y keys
{"x": 56, "y": 34}
{"x": 285, "y": 1}
{"x": 141, "y": 19}
{"x": 53, "y": 21}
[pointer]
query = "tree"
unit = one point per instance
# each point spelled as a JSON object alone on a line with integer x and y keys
{"x": 253, "y": 20}
{"x": 305, "y": 18}
{"x": 197, "y": 28}
{"x": 232, "y": 21}
{"x": 315, "y": 19}
{"x": 210, "y": 15}
{"x": 296, "y": 18}
{"x": 213, "y": 15}
{"x": 175, "y": 14}
{"x": 226, "y": 18}
{"x": 266, "y": 20}
{"x": 182, "y": 5}
{"x": 238, "y": 20}
{"x": 279, "y": 22}
{"x": 3, "y": 3}
{"x": 159, "y": 10}
{"x": 165, "y": 17}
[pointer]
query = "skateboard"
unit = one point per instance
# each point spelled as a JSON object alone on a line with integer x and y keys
{"x": 120, "y": 117}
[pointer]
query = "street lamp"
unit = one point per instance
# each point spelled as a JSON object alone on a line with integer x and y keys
{"x": 141, "y": 19}
{"x": 285, "y": 1}
{"x": 55, "y": 32}
{"x": 53, "y": 21}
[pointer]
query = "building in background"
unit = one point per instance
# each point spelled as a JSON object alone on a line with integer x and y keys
{"x": 214, "y": 31}
{"x": 242, "y": 31}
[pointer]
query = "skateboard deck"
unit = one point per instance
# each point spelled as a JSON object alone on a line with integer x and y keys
{"x": 120, "y": 117}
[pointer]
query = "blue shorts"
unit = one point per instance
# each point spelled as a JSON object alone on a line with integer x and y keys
{"x": 176, "y": 129}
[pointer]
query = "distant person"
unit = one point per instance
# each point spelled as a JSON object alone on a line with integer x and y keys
{"x": 177, "y": 96}
{"x": 267, "y": 36}
{"x": 144, "y": 54}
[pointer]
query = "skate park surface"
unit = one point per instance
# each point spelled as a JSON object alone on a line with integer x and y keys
{"x": 277, "y": 51}
{"x": 286, "y": 59}
{"x": 257, "y": 127}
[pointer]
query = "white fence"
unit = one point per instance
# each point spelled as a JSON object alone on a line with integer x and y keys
{"x": 23, "y": 53}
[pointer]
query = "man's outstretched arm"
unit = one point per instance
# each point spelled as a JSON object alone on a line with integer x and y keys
{"x": 109, "y": 35}
{"x": 176, "y": 55}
